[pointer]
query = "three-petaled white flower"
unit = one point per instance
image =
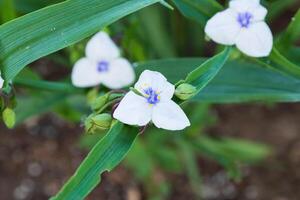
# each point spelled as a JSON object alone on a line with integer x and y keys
{"x": 154, "y": 105}
{"x": 102, "y": 64}
{"x": 242, "y": 24}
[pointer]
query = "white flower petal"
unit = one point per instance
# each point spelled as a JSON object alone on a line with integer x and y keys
{"x": 85, "y": 73}
{"x": 256, "y": 40}
{"x": 253, "y": 7}
{"x": 133, "y": 110}
{"x": 167, "y": 91}
{"x": 101, "y": 47}
{"x": 259, "y": 13}
{"x": 243, "y": 5}
{"x": 119, "y": 75}
{"x": 168, "y": 115}
{"x": 223, "y": 27}
{"x": 157, "y": 82}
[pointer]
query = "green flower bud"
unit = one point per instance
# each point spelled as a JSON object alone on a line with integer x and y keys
{"x": 98, "y": 122}
{"x": 185, "y": 91}
{"x": 99, "y": 102}
{"x": 9, "y": 117}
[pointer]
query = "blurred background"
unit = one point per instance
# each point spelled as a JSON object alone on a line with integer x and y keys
{"x": 231, "y": 152}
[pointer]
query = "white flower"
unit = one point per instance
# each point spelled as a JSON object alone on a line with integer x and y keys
{"x": 242, "y": 24}
{"x": 102, "y": 64}
{"x": 155, "y": 105}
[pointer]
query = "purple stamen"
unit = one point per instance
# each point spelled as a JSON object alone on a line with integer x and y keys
{"x": 102, "y": 66}
{"x": 244, "y": 19}
{"x": 152, "y": 96}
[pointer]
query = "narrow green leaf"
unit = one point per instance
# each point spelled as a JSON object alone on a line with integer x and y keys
{"x": 105, "y": 155}
{"x": 233, "y": 149}
{"x": 290, "y": 35}
{"x": 202, "y": 75}
{"x": 244, "y": 150}
{"x": 175, "y": 69}
{"x": 45, "y": 85}
{"x": 236, "y": 82}
{"x": 45, "y": 31}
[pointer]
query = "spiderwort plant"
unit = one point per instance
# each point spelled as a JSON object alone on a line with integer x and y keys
{"x": 243, "y": 25}
{"x": 102, "y": 64}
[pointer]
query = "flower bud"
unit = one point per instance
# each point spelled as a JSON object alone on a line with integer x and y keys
{"x": 9, "y": 117}
{"x": 185, "y": 91}
{"x": 99, "y": 102}
{"x": 98, "y": 122}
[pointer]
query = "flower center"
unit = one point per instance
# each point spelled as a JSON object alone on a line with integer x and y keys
{"x": 244, "y": 19}
{"x": 102, "y": 66}
{"x": 152, "y": 96}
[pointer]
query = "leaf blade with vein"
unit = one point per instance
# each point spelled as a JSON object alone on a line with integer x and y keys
{"x": 50, "y": 29}
{"x": 105, "y": 155}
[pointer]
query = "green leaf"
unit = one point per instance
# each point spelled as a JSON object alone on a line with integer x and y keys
{"x": 291, "y": 35}
{"x": 45, "y": 31}
{"x": 175, "y": 69}
{"x": 105, "y": 155}
{"x": 203, "y": 74}
{"x": 244, "y": 150}
{"x": 233, "y": 150}
{"x": 45, "y": 85}
{"x": 238, "y": 81}
{"x": 198, "y": 10}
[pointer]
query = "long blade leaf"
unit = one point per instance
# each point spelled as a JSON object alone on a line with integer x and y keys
{"x": 105, "y": 155}
{"x": 236, "y": 82}
{"x": 291, "y": 35}
{"x": 45, "y": 31}
{"x": 45, "y": 85}
{"x": 203, "y": 74}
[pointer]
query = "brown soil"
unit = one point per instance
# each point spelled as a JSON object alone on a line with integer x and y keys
{"x": 36, "y": 158}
